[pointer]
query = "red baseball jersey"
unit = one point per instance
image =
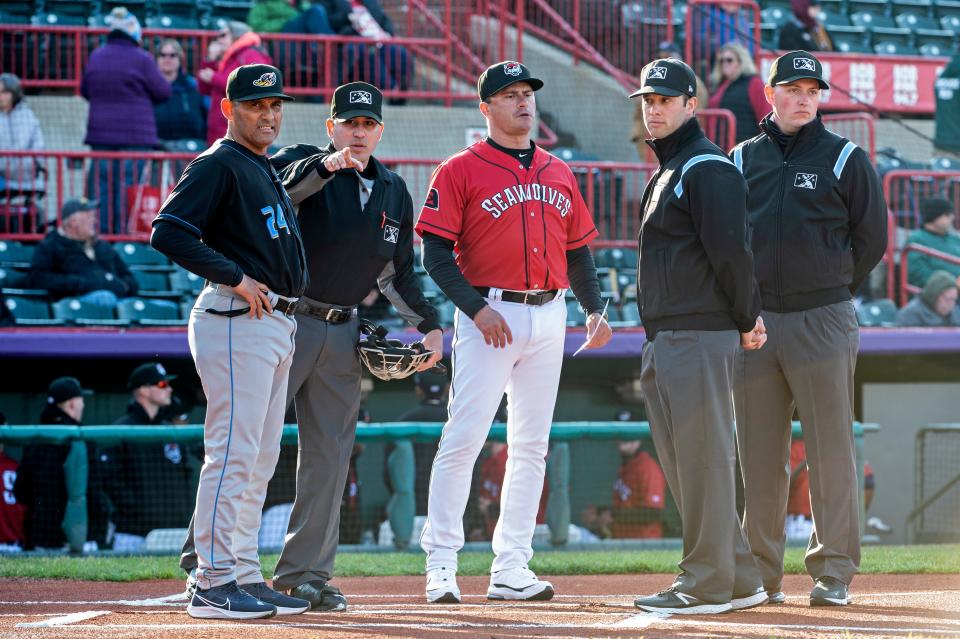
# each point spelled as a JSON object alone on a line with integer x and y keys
{"x": 511, "y": 226}
{"x": 640, "y": 484}
{"x": 11, "y": 513}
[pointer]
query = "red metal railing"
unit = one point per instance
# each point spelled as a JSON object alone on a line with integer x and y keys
{"x": 904, "y": 188}
{"x": 857, "y": 127}
{"x": 131, "y": 186}
{"x": 906, "y": 288}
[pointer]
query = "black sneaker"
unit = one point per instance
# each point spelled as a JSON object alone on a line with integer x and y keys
{"x": 228, "y": 602}
{"x": 751, "y": 599}
{"x": 679, "y": 603}
{"x": 286, "y": 605}
{"x": 829, "y": 591}
{"x": 776, "y": 597}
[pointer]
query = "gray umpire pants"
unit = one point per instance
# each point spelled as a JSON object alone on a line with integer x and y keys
{"x": 687, "y": 381}
{"x": 325, "y": 385}
{"x": 243, "y": 364}
{"x": 808, "y": 364}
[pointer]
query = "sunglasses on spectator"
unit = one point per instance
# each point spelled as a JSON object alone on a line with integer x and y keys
{"x": 223, "y": 34}
{"x": 162, "y": 384}
{"x": 727, "y": 60}
{"x": 167, "y": 55}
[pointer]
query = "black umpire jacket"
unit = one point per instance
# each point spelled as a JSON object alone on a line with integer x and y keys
{"x": 817, "y": 212}
{"x": 351, "y": 250}
{"x": 696, "y": 268}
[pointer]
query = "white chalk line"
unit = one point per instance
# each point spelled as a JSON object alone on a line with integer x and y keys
{"x": 64, "y": 620}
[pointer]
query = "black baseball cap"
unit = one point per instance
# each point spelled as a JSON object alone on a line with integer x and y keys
{"x": 667, "y": 76}
{"x": 77, "y": 204}
{"x": 357, "y": 99}
{"x": 430, "y": 382}
{"x": 147, "y": 375}
{"x": 796, "y": 65}
{"x": 64, "y": 388}
{"x": 254, "y": 82}
{"x": 501, "y": 75}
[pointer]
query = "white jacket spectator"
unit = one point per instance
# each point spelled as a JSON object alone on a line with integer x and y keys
{"x": 19, "y": 131}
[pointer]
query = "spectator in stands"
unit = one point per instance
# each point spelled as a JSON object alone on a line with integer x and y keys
{"x": 804, "y": 30}
{"x": 313, "y": 20}
{"x": 936, "y": 305}
{"x": 639, "y": 134}
{"x": 714, "y": 25}
{"x": 269, "y": 16}
{"x": 42, "y": 479}
{"x": 122, "y": 84}
{"x": 20, "y": 177}
{"x": 151, "y": 485}
{"x": 639, "y": 494}
{"x": 737, "y": 87}
{"x": 938, "y": 233}
{"x": 71, "y": 261}
{"x": 181, "y": 120}
{"x": 386, "y": 65}
{"x": 240, "y": 46}
{"x": 947, "y": 116}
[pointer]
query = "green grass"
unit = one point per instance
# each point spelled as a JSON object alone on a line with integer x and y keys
{"x": 941, "y": 559}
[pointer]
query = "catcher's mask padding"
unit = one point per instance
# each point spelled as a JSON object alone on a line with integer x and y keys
{"x": 388, "y": 358}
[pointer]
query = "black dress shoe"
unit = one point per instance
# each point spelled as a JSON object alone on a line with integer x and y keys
{"x": 321, "y": 595}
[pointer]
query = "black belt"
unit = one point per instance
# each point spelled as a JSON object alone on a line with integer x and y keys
{"x": 326, "y": 312}
{"x": 285, "y": 306}
{"x": 532, "y": 299}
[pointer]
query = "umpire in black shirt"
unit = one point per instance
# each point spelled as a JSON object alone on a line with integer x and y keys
{"x": 357, "y": 221}
{"x": 230, "y": 221}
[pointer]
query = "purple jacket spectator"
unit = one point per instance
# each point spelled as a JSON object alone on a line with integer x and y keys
{"x": 122, "y": 85}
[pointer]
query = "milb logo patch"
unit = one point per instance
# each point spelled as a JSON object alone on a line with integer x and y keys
{"x": 361, "y": 97}
{"x": 805, "y": 181}
{"x": 804, "y": 64}
{"x": 433, "y": 200}
{"x": 390, "y": 234}
{"x": 657, "y": 73}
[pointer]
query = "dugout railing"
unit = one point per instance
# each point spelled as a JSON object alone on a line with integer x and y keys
{"x": 566, "y": 466}
{"x": 936, "y": 514}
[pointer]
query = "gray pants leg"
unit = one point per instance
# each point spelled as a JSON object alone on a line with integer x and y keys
{"x": 810, "y": 366}
{"x": 687, "y": 381}
{"x": 325, "y": 382}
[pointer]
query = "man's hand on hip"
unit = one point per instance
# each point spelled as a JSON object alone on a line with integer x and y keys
{"x": 255, "y": 294}
{"x": 494, "y": 327}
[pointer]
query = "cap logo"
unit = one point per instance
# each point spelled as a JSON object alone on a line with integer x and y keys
{"x": 657, "y": 73}
{"x": 266, "y": 80}
{"x": 512, "y": 68}
{"x": 161, "y": 369}
{"x": 361, "y": 97}
{"x": 804, "y": 64}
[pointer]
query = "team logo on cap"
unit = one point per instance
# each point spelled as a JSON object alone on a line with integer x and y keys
{"x": 361, "y": 97}
{"x": 161, "y": 369}
{"x": 804, "y": 64}
{"x": 657, "y": 73}
{"x": 266, "y": 80}
{"x": 805, "y": 181}
{"x": 512, "y": 68}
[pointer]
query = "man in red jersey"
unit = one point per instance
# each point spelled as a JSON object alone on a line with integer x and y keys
{"x": 518, "y": 226}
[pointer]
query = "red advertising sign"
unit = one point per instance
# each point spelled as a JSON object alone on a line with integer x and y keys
{"x": 900, "y": 84}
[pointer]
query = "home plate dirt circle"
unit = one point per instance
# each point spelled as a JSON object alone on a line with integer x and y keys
{"x": 600, "y": 606}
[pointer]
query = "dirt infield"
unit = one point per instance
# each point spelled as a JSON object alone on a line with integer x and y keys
{"x": 591, "y": 606}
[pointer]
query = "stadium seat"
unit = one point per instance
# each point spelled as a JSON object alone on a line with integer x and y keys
{"x": 903, "y": 38}
{"x": 15, "y": 254}
{"x": 869, "y": 20}
{"x": 933, "y": 50}
{"x": 769, "y": 35}
{"x": 446, "y": 312}
{"x": 834, "y": 6}
{"x": 893, "y": 48}
{"x": 775, "y": 14}
{"x": 849, "y": 39}
{"x": 31, "y": 312}
{"x": 81, "y": 8}
{"x": 630, "y": 314}
{"x": 170, "y": 21}
{"x": 920, "y": 7}
{"x": 430, "y": 288}
{"x": 575, "y": 315}
{"x": 12, "y": 277}
{"x": 945, "y": 164}
{"x": 945, "y": 8}
{"x": 950, "y": 23}
{"x": 606, "y": 282}
{"x": 831, "y": 19}
{"x": 137, "y": 254}
{"x": 914, "y": 21}
{"x": 617, "y": 258}
{"x": 152, "y": 282}
{"x": 149, "y": 312}
{"x": 877, "y": 313}
{"x": 8, "y": 17}
{"x": 613, "y": 314}
{"x": 58, "y": 20}
{"x": 879, "y": 7}
{"x": 184, "y": 8}
{"x": 74, "y": 311}
{"x": 231, "y": 9}
{"x": 184, "y": 281}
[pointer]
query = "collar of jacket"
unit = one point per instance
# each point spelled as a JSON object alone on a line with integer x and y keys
{"x": 381, "y": 172}
{"x": 666, "y": 148}
{"x": 809, "y": 132}
{"x": 136, "y": 408}
{"x": 54, "y": 415}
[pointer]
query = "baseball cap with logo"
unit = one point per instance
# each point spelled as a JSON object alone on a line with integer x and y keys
{"x": 255, "y": 82}
{"x": 64, "y": 388}
{"x": 430, "y": 382}
{"x": 148, "y": 374}
{"x": 357, "y": 99}
{"x": 796, "y": 65}
{"x": 77, "y": 204}
{"x": 667, "y": 76}
{"x": 499, "y": 76}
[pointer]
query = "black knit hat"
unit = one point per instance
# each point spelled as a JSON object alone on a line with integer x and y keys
{"x": 933, "y": 207}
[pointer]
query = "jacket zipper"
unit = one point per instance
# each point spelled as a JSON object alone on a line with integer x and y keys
{"x": 783, "y": 172}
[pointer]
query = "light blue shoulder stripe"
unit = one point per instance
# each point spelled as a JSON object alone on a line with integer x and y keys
{"x": 692, "y": 162}
{"x": 738, "y": 157}
{"x": 842, "y": 160}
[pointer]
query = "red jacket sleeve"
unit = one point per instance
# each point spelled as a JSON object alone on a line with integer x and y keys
{"x": 757, "y": 99}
